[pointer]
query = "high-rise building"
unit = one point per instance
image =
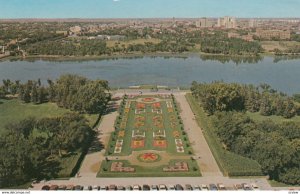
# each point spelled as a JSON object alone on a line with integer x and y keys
{"x": 204, "y": 23}
{"x": 227, "y": 22}
{"x": 252, "y": 23}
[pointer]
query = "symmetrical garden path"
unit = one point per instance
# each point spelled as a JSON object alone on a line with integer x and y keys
{"x": 205, "y": 159}
{"x": 92, "y": 161}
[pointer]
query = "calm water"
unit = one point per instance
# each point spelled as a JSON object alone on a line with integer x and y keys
{"x": 283, "y": 75}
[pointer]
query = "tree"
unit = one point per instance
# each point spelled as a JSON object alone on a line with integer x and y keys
{"x": 34, "y": 94}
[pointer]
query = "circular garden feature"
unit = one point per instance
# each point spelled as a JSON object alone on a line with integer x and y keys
{"x": 149, "y": 157}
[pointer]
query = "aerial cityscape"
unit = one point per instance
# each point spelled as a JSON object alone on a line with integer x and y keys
{"x": 160, "y": 95}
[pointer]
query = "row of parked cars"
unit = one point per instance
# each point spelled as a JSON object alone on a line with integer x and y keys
{"x": 161, "y": 187}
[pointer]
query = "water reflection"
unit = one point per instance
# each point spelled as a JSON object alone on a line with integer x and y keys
{"x": 235, "y": 59}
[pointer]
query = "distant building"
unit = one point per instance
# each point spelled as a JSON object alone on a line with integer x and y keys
{"x": 204, "y": 23}
{"x": 75, "y": 30}
{"x": 227, "y": 22}
{"x": 273, "y": 34}
{"x": 252, "y": 23}
{"x": 244, "y": 37}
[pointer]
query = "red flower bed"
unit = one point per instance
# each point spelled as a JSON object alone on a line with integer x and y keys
{"x": 148, "y": 99}
{"x": 160, "y": 143}
{"x": 156, "y": 105}
{"x": 137, "y": 144}
{"x": 140, "y": 106}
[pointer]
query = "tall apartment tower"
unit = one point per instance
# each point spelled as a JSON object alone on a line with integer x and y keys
{"x": 252, "y": 23}
{"x": 227, "y": 22}
{"x": 204, "y": 23}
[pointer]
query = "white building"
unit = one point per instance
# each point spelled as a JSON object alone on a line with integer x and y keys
{"x": 227, "y": 22}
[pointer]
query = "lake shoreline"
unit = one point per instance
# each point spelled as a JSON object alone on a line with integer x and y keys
{"x": 131, "y": 55}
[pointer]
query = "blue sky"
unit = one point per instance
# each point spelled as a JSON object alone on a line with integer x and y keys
{"x": 147, "y": 8}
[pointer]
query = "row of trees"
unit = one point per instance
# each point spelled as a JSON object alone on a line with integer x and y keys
{"x": 275, "y": 146}
{"x": 69, "y": 91}
{"x": 32, "y": 148}
{"x": 229, "y": 46}
{"x": 220, "y": 96}
{"x": 68, "y": 48}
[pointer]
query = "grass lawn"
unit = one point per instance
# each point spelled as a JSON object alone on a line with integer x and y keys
{"x": 12, "y": 111}
{"x": 149, "y": 171}
{"x": 276, "y": 119}
{"x": 68, "y": 163}
{"x": 230, "y": 163}
{"x": 150, "y": 126}
{"x": 279, "y": 184}
{"x": 112, "y": 43}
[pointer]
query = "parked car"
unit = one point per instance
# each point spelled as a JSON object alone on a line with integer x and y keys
{"x": 46, "y": 188}
{"x": 70, "y": 187}
{"x": 196, "y": 188}
{"x": 112, "y": 188}
{"x": 204, "y": 187}
{"x": 213, "y": 187}
{"x": 129, "y": 188}
{"x": 62, "y": 187}
{"x": 188, "y": 187}
{"x": 154, "y": 188}
{"x": 146, "y": 188}
{"x": 171, "y": 187}
{"x": 103, "y": 188}
{"x": 53, "y": 187}
{"x": 238, "y": 187}
{"x": 178, "y": 187}
{"x": 78, "y": 188}
{"x": 221, "y": 187}
{"x": 162, "y": 187}
{"x": 136, "y": 188}
{"x": 121, "y": 188}
{"x": 246, "y": 187}
{"x": 254, "y": 186}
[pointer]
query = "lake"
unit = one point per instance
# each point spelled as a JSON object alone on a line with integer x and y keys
{"x": 283, "y": 75}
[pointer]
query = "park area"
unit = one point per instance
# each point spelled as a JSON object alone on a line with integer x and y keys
{"x": 13, "y": 111}
{"x": 149, "y": 140}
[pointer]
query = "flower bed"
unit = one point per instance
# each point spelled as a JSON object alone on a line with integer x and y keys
{"x": 149, "y": 157}
{"x": 148, "y": 99}
{"x": 160, "y": 143}
{"x": 137, "y": 143}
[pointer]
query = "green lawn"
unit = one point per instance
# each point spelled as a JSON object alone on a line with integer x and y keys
{"x": 171, "y": 148}
{"x": 276, "y": 119}
{"x": 12, "y": 111}
{"x": 230, "y": 163}
{"x": 149, "y": 171}
{"x": 167, "y": 116}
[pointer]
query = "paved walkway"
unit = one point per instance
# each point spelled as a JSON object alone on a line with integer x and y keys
{"x": 92, "y": 161}
{"x": 206, "y": 161}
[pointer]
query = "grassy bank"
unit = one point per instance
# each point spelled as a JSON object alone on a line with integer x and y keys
{"x": 276, "y": 119}
{"x": 230, "y": 164}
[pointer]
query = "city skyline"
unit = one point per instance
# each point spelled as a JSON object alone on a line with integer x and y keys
{"x": 148, "y": 9}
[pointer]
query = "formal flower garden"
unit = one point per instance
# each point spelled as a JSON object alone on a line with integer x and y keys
{"x": 149, "y": 124}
